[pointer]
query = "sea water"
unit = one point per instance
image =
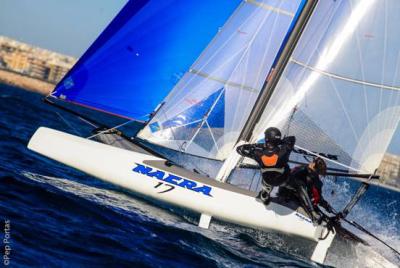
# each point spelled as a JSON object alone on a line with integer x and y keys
{"x": 55, "y": 216}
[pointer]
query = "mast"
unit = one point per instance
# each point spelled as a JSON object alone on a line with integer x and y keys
{"x": 268, "y": 88}
{"x": 272, "y": 79}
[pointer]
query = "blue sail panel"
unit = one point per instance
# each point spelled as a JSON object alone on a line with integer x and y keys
{"x": 209, "y": 107}
{"x": 142, "y": 54}
{"x": 216, "y": 118}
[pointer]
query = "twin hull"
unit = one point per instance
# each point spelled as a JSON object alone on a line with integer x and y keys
{"x": 134, "y": 171}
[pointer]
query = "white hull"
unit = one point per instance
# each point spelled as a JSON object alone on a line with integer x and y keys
{"x": 130, "y": 170}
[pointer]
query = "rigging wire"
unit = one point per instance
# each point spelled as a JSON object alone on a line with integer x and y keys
{"x": 88, "y": 122}
{"x": 111, "y": 129}
{"x": 328, "y": 160}
{"x": 67, "y": 123}
{"x": 206, "y": 116}
{"x": 343, "y": 214}
{"x": 339, "y": 217}
{"x": 84, "y": 118}
{"x": 359, "y": 227}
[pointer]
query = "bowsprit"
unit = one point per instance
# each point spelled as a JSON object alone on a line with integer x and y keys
{"x": 172, "y": 179}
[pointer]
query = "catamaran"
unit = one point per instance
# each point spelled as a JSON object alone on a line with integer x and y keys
{"x": 204, "y": 77}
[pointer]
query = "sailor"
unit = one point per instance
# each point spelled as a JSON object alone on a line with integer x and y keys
{"x": 305, "y": 184}
{"x": 272, "y": 157}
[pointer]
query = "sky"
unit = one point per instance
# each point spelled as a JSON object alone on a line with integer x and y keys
{"x": 70, "y": 26}
{"x": 65, "y": 26}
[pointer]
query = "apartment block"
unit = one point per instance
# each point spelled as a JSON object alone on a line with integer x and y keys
{"x": 32, "y": 61}
{"x": 389, "y": 169}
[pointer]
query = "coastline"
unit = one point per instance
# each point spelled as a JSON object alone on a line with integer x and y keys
{"x": 25, "y": 82}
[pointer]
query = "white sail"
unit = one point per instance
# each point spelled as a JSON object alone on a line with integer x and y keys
{"x": 205, "y": 112}
{"x": 340, "y": 92}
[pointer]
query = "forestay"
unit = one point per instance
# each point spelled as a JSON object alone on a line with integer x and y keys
{"x": 205, "y": 112}
{"x": 340, "y": 92}
{"x": 142, "y": 54}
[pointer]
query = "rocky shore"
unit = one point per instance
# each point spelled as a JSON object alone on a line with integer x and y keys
{"x": 25, "y": 82}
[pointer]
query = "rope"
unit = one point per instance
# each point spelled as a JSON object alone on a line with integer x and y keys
{"x": 328, "y": 160}
{"x": 67, "y": 123}
{"x": 359, "y": 227}
{"x": 110, "y": 129}
{"x": 339, "y": 216}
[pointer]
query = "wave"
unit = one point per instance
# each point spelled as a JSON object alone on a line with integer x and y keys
{"x": 226, "y": 244}
{"x": 222, "y": 243}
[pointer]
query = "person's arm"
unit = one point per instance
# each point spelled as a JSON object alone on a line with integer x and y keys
{"x": 286, "y": 147}
{"x": 247, "y": 150}
{"x": 289, "y": 142}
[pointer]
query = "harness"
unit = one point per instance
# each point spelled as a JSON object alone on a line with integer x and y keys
{"x": 278, "y": 170}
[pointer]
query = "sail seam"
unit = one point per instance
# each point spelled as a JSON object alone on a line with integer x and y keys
{"x": 223, "y": 81}
{"x": 356, "y": 81}
{"x": 270, "y": 8}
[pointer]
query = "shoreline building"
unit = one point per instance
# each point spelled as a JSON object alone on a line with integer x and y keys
{"x": 57, "y": 70}
{"x": 389, "y": 169}
{"x": 34, "y": 62}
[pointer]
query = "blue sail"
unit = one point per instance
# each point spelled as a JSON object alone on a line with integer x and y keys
{"x": 142, "y": 54}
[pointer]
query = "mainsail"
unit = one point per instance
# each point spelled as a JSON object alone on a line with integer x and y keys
{"x": 340, "y": 92}
{"x": 206, "y": 110}
{"x": 142, "y": 54}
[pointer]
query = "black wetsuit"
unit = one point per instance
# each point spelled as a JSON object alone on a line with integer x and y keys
{"x": 272, "y": 159}
{"x": 306, "y": 186}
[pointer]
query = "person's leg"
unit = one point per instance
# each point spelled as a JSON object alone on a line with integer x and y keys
{"x": 307, "y": 204}
{"x": 265, "y": 193}
{"x": 287, "y": 193}
{"x": 270, "y": 181}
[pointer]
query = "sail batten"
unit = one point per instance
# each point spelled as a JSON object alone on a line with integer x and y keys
{"x": 366, "y": 83}
{"x": 271, "y": 8}
{"x": 225, "y": 82}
